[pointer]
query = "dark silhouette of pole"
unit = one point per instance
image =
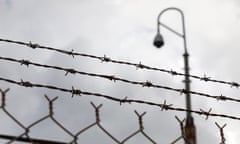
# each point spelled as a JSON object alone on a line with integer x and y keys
{"x": 190, "y": 130}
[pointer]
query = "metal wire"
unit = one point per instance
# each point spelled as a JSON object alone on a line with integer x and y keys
{"x": 108, "y": 59}
{"x": 221, "y": 132}
{"x": 26, "y": 136}
{"x": 79, "y": 92}
{"x": 114, "y": 78}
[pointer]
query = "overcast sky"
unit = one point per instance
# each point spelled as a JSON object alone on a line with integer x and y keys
{"x": 123, "y": 30}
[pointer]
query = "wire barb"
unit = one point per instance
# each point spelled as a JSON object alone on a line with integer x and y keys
{"x": 172, "y": 72}
{"x": 205, "y": 78}
{"x": 26, "y": 83}
{"x": 76, "y": 92}
{"x": 221, "y": 97}
{"x": 24, "y": 62}
{"x": 165, "y": 106}
{"x": 33, "y": 46}
{"x": 124, "y": 100}
{"x": 105, "y": 59}
{"x": 110, "y": 77}
{"x": 183, "y": 91}
{"x": 140, "y": 66}
{"x": 147, "y": 84}
{"x": 72, "y": 71}
{"x": 206, "y": 113}
{"x": 71, "y": 53}
{"x": 235, "y": 84}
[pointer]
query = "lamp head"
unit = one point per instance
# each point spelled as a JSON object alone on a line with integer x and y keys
{"x": 158, "y": 41}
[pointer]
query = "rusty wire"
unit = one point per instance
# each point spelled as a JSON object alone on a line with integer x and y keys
{"x": 163, "y": 106}
{"x": 108, "y": 59}
{"x": 114, "y": 78}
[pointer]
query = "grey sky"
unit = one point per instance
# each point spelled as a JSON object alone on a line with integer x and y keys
{"x": 122, "y": 30}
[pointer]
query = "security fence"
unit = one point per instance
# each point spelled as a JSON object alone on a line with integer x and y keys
{"x": 73, "y": 92}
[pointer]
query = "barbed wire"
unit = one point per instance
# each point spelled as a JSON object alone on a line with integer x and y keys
{"x": 79, "y": 92}
{"x": 114, "y": 78}
{"x": 108, "y": 59}
{"x": 25, "y": 136}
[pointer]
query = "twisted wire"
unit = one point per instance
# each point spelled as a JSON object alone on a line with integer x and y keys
{"x": 24, "y": 137}
{"x": 79, "y": 92}
{"x": 108, "y": 59}
{"x": 114, "y": 78}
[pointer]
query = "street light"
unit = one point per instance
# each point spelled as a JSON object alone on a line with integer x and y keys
{"x": 158, "y": 40}
{"x": 189, "y": 131}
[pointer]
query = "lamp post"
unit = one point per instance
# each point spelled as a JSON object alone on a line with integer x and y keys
{"x": 189, "y": 129}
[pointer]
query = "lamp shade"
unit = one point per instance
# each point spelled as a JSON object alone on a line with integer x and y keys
{"x": 158, "y": 41}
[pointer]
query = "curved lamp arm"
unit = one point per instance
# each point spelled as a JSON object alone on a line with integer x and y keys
{"x": 183, "y": 34}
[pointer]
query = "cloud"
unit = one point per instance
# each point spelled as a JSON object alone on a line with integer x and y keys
{"x": 122, "y": 30}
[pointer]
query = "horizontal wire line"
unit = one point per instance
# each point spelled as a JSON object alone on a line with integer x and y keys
{"x": 107, "y": 59}
{"x": 30, "y": 140}
{"x": 114, "y": 78}
{"x": 73, "y": 91}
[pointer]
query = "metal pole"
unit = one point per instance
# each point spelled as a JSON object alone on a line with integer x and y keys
{"x": 189, "y": 130}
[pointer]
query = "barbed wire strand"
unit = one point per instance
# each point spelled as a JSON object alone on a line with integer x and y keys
{"x": 114, "y": 78}
{"x": 79, "y": 92}
{"x": 108, "y": 59}
{"x": 73, "y": 91}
